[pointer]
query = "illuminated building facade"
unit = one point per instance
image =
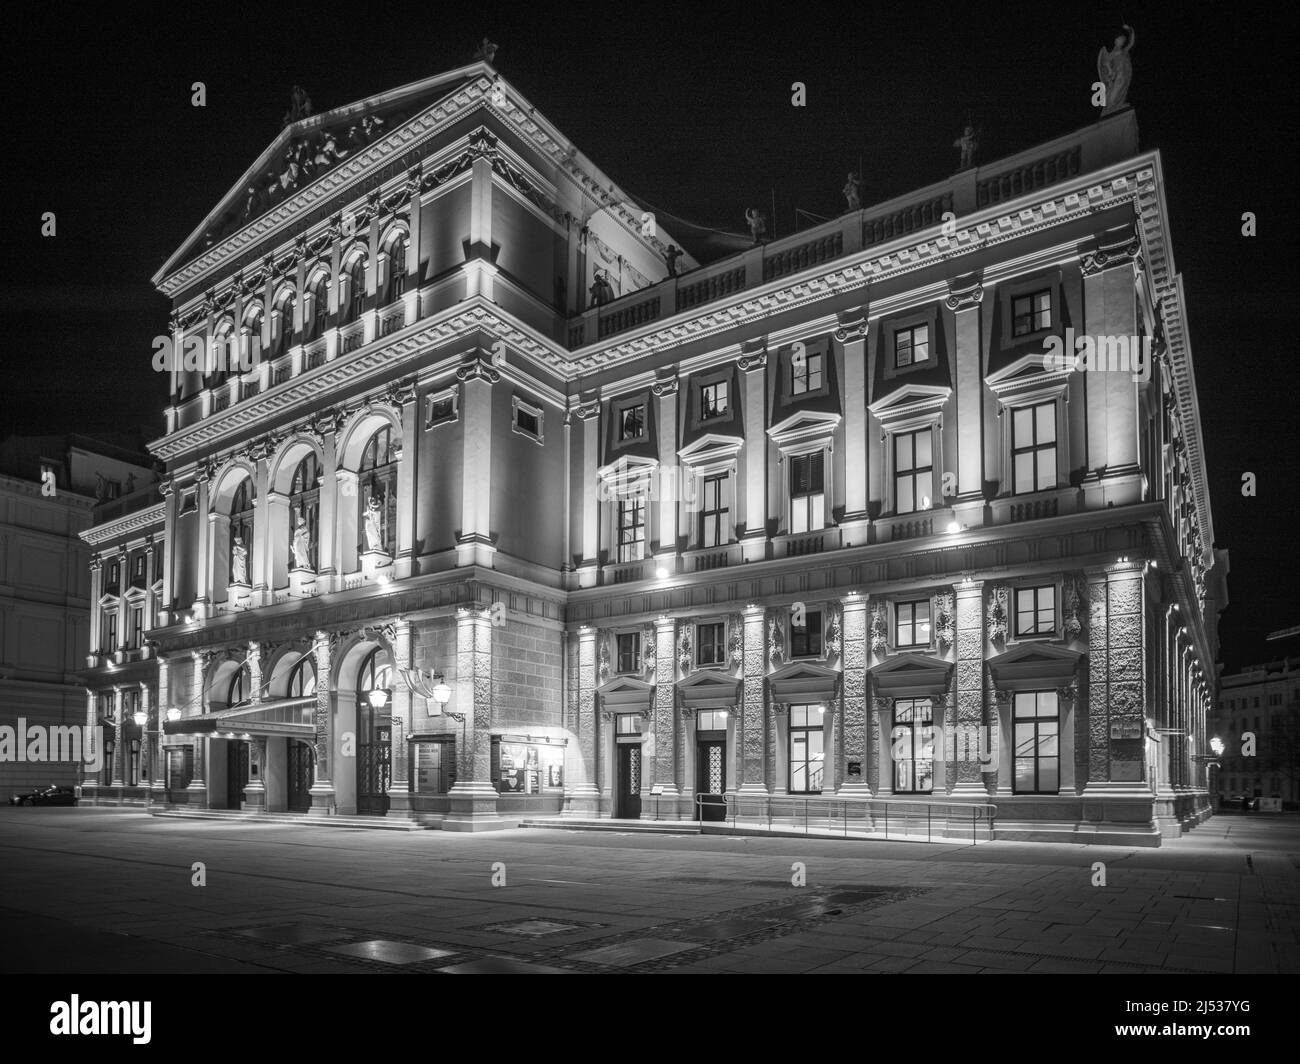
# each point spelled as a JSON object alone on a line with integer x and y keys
{"x": 814, "y": 520}
{"x": 1260, "y": 703}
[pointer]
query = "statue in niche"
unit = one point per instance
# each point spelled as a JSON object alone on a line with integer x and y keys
{"x": 1115, "y": 70}
{"x": 101, "y": 487}
{"x": 373, "y": 522}
{"x": 301, "y": 544}
{"x": 757, "y": 221}
{"x": 299, "y": 106}
{"x": 968, "y": 143}
{"x": 238, "y": 562}
{"x": 602, "y": 291}
{"x": 671, "y": 256}
{"x": 853, "y": 192}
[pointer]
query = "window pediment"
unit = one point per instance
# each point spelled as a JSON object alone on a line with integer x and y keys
{"x": 911, "y": 401}
{"x": 1025, "y": 375}
{"x": 709, "y": 689}
{"x": 803, "y": 681}
{"x": 626, "y": 694}
{"x": 803, "y": 426}
{"x": 1032, "y": 665}
{"x": 710, "y": 448}
{"x": 912, "y": 675}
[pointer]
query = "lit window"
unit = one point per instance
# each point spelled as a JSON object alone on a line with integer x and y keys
{"x": 912, "y": 746}
{"x": 711, "y": 720}
{"x": 631, "y": 530}
{"x": 713, "y": 517}
{"x": 1036, "y": 610}
{"x": 911, "y": 346}
{"x": 631, "y": 422}
{"x": 710, "y": 644}
{"x": 629, "y": 652}
{"x": 528, "y": 419}
{"x": 913, "y": 471}
{"x": 806, "y": 639}
{"x": 912, "y": 624}
{"x": 110, "y": 630}
{"x": 1031, "y": 313}
{"x": 441, "y": 408}
{"x": 1037, "y": 727}
{"x": 807, "y": 492}
{"x": 806, "y": 376}
{"x": 137, "y": 627}
{"x": 806, "y": 749}
{"x": 628, "y": 724}
{"x": 713, "y": 400}
{"x": 1033, "y": 447}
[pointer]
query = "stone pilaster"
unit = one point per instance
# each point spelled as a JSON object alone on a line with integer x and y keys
{"x": 664, "y": 723}
{"x": 968, "y": 688}
{"x": 473, "y": 800}
{"x": 403, "y": 712}
{"x": 322, "y": 790}
{"x": 255, "y": 790}
{"x": 852, "y": 334}
{"x": 580, "y": 790}
{"x": 751, "y": 732}
{"x": 474, "y": 547}
{"x": 853, "y": 664}
{"x": 753, "y": 366}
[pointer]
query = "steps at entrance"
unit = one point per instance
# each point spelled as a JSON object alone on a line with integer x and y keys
{"x": 643, "y": 827}
{"x": 373, "y": 823}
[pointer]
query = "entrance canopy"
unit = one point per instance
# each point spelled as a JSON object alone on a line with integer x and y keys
{"x": 285, "y": 716}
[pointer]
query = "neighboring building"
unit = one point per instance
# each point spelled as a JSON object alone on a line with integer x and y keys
{"x": 755, "y": 529}
{"x": 121, "y": 670}
{"x": 48, "y": 489}
{"x": 1262, "y": 701}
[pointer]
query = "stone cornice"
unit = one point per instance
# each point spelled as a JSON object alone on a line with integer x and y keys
{"x": 125, "y": 526}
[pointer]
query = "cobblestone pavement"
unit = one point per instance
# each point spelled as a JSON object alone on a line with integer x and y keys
{"x": 111, "y": 891}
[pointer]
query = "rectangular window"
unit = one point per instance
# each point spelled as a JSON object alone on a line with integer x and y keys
{"x": 714, "y": 530}
{"x": 631, "y": 530}
{"x": 137, "y": 627}
{"x": 629, "y": 652}
{"x": 806, "y": 640}
{"x": 711, "y": 644}
{"x": 912, "y": 624}
{"x": 137, "y": 570}
{"x": 806, "y": 374}
{"x": 711, "y": 720}
{"x": 528, "y": 420}
{"x": 110, "y": 630}
{"x": 628, "y": 724}
{"x": 631, "y": 422}
{"x": 807, "y": 492}
{"x": 913, "y": 471}
{"x": 912, "y": 746}
{"x": 1037, "y": 726}
{"x": 713, "y": 400}
{"x": 1031, "y": 313}
{"x": 806, "y": 749}
{"x": 113, "y": 578}
{"x": 1033, "y": 447}
{"x": 433, "y": 766}
{"x": 911, "y": 346}
{"x": 441, "y": 408}
{"x": 1035, "y": 611}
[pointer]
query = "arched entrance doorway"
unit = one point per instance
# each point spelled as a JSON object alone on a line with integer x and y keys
{"x": 374, "y": 733}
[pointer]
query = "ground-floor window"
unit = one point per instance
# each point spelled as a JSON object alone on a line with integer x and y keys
{"x": 433, "y": 765}
{"x": 526, "y": 765}
{"x": 912, "y": 746}
{"x": 806, "y": 750}
{"x": 1037, "y": 727}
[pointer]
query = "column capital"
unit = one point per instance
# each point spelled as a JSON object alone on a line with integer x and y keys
{"x": 852, "y": 324}
{"x": 965, "y": 293}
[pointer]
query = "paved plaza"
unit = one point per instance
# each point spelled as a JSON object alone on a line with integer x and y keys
{"x": 113, "y": 891}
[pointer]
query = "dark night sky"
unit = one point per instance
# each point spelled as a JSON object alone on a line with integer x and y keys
{"x": 689, "y": 109}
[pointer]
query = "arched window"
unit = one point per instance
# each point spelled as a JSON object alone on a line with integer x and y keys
{"x": 304, "y": 510}
{"x": 241, "y": 532}
{"x": 395, "y": 281}
{"x": 216, "y": 360}
{"x": 252, "y": 354}
{"x": 238, "y": 693}
{"x": 319, "y": 295}
{"x": 377, "y": 479}
{"x": 302, "y": 681}
{"x": 356, "y": 282}
{"x": 282, "y": 323}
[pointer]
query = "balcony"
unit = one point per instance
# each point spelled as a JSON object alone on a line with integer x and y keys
{"x": 390, "y": 323}
{"x": 314, "y": 356}
{"x": 248, "y": 389}
{"x": 352, "y": 339}
{"x": 627, "y": 572}
{"x": 798, "y": 544}
{"x": 708, "y": 558}
{"x": 1013, "y": 509}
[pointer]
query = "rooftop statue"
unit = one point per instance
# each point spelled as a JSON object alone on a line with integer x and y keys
{"x": 486, "y": 51}
{"x": 671, "y": 255}
{"x": 757, "y": 224}
{"x": 1116, "y": 71}
{"x": 852, "y": 192}
{"x": 299, "y": 106}
{"x": 969, "y": 143}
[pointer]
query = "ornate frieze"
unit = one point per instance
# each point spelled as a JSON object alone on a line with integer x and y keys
{"x": 736, "y": 642}
{"x": 833, "y": 634}
{"x": 602, "y": 660}
{"x": 997, "y": 614}
{"x": 684, "y": 649}
{"x": 942, "y": 607}
{"x": 879, "y": 628}
{"x": 649, "y": 651}
{"x": 775, "y": 639}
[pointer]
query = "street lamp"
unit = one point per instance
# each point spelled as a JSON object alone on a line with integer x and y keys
{"x": 378, "y": 698}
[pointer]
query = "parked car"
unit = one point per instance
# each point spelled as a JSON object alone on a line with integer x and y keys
{"x": 46, "y": 796}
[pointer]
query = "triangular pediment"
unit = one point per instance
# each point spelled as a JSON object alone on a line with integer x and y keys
{"x": 709, "y": 689}
{"x": 1025, "y": 372}
{"x": 711, "y": 447}
{"x": 911, "y": 676}
{"x": 1034, "y": 663}
{"x": 804, "y": 425}
{"x": 393, "y": 108}
{"x": 627, "y": 469}
{"x": 911, "y": 400}
{"x": 803, "y": 681}
{"x": 626, "y": 693}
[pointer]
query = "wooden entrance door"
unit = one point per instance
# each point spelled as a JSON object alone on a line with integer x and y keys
{"x": 299, "y": 776}
{"x": 711, "y": 778}
{"x": 627, "y": 805}
{"x": 236, "y": 772}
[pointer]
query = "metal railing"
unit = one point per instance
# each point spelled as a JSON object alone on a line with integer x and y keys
{"x": 873, "y": 816}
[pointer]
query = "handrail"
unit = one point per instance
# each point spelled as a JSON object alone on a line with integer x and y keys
{"x": 833, "y": 809}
